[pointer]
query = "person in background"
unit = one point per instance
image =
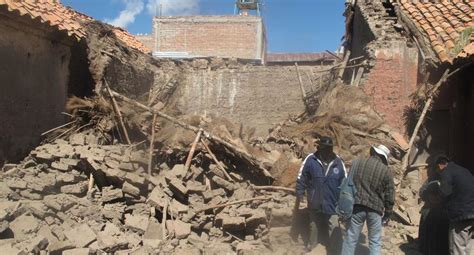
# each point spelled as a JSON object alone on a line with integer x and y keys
{"x": 457, "y": 188}
{"x": 373, "y": 202}
{"x": 319, "y": 177}
{"x": 434, "y": 224}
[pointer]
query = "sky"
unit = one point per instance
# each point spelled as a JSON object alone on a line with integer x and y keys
{"x": 291, "y": 25}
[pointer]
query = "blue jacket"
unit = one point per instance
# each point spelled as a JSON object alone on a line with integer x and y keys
{"x": 322, "y": 189}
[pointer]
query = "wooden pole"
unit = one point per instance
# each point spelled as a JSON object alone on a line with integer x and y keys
{"x": 360, "y": 72}
{"x": 163, "y": 219}
{"x": 191, "y": 152}
{"x": 233, "y": 203}
{"x": 117, "y": 111}
{"x": 208, "y": 135}
{"x": 290, "y": 190}
{"x": 303, "y": 92}
{"x": 152, "y": 142}
{"x": 91, "y": 183}
{"x": 427, "y": 106}
{"x": 343, "y": 67}
{"x": 219, "y": 164}
{"x": 59, "y": 127}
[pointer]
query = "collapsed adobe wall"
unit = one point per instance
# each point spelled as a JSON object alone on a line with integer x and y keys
{"x": 258, "y": 97}
{"x": 34, "y": 69}
{"x": 242, "y": 91}
{"x": 392, "y": 60}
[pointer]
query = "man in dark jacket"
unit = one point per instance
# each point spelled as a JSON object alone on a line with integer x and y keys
{"x": 320, "y": 176}
{"x": 374, "y": 199}
{"x": 457, "y": 187}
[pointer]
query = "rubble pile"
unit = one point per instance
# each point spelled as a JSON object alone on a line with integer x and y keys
{"x": 78, "y": 197}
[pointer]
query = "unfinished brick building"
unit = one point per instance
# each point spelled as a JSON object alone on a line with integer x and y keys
{"x": 210, "y": 36}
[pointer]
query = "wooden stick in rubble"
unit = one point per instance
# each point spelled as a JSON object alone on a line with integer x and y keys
{"x": 208, "y": 135}
{"x": 117, "y": 111}
{"x": 427, "y": 106}
{"x": 191, "y": 152}
{"x": 152, "y": 143}
{"x": 233, "y": 203}
{"x": 219, "y": 164}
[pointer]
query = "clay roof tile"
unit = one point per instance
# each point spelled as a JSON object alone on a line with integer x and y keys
{"x": 62, "y": 18}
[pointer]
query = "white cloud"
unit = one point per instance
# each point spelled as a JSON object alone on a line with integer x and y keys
{"x": 127, "y": 16}
{"x": 173, "y": 7}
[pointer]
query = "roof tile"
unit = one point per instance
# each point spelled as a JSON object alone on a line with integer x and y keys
{"x": 442, "y": 22}
{"x": 64, "y": 19}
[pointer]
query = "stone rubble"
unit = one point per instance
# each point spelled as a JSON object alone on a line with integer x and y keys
{"x": 46, "y": 205}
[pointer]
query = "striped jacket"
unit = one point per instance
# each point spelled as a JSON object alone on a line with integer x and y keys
{"x": 322, "y": 188}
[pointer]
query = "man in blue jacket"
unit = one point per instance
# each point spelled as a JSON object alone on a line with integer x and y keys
{"x": 320, "y": 176}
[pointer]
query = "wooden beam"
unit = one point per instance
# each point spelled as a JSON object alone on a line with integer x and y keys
{"x": 208, "y": 135}
{"x": 117, "y": 111}
{"x": 191, "y": 151}
{"x": 427, "y": 106}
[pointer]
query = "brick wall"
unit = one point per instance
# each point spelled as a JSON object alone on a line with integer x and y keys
{"x": 391, "y": 81}
{"x": 220, "y": 36}
{"x": 147, "y": 40}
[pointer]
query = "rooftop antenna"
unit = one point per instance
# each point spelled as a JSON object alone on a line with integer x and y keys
{"x": 242, "y": 7}
{"x": 158, "y": 9}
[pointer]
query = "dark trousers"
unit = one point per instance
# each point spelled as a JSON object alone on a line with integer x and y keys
{"x": 322, "y": 228}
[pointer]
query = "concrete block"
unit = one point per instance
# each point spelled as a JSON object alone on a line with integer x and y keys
{"x": 129, "y": 167}
{"x": 44, "y": 157}
{"x": 136, "y": 222}
{"x": 178, "y": 171}
{"x": 79, "y": 251}
{"x": 157, "y": 198}
{"x": 77, "y": 139}
{"x": 113, "y": 211}
{"x": 153, "y": 234}
{"x": 23, "y": 226}
{"x": 177, "y": 207}
{"x": 16, "y": 184}
{"x": 258, "y": 217}
{"x": 233, "y": 223}
{"x": 228, "y": 186}
{"x": 110, "y": 194}
{"x": 176, "y": 186}
{"x": 78, "y": 189}
{"x": 69, "y": 161}
{"x": 59, "y": 247}
{"x": 81, "y": 236}
{"x": 195, "y": 187}
{"x": 129, "y": 189}
{"x": 135, "y": 179}
{"x": 180, "y": 229}
{"x": 37, "y": 244}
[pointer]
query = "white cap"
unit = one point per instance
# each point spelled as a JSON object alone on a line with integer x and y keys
{"x": 382, "y": 150}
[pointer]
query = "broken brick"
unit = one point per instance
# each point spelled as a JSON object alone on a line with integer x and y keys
{"x": 233, "y": 223}
{"x": 81, "y": 236}
{"x": 153, "y": 234}
{"x": 110, "y": 194}
{"x": 60, "y": 166}
{"x": 180, "y": 229}
{"x": 177, "y": 187}
{"x": 136, "y": 222}
{"x": 129, "y": 189}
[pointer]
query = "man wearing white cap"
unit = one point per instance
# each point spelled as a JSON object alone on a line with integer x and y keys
{"x": 374, "y": 200}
